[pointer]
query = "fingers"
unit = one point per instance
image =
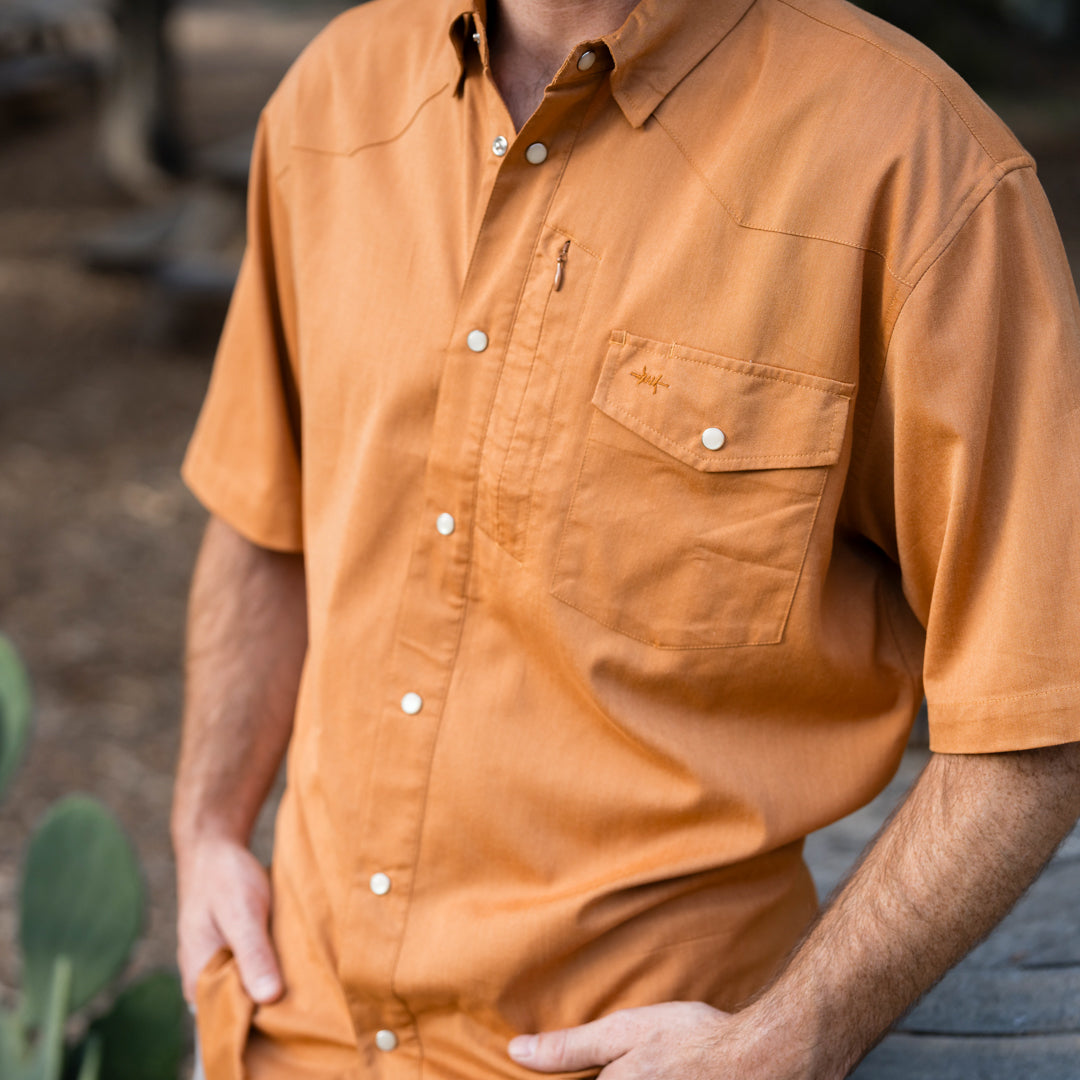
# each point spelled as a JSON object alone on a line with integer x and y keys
{"x": 226, "y": 902}
{"x": 243, "y": 918}
{"x": 195, "y": 951}
{"x": 588, "y": 1046}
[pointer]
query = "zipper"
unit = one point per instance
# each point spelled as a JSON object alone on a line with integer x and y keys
{"x": 560, "y": 263}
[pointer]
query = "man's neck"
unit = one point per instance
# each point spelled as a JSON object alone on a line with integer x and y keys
{"x": 530, "y": 39}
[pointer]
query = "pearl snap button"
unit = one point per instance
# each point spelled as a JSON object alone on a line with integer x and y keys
{"x": 380, "y": 884}
{"x": 386, "y": 1040}
{"x": 712, "y": 438}
{"x": 445, "y": 524}
{"x": 499, "y": 146}
{"x": 536, "y": 153}
{"x": 586, "y": 60}
{"x": 411, "y": 703}
{"x": 477, "y": 340}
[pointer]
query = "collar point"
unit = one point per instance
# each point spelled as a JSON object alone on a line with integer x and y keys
{"x": 635, "y": 111}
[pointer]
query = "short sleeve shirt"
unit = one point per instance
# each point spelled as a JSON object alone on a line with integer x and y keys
{"x": 648, "y": 464}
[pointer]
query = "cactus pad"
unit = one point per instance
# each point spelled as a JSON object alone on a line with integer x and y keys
{"x": 14, "y": 710}
{"x": 82, "y": 897}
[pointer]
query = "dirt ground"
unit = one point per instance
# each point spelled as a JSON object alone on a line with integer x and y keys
{"x": 97, "y": 399}
{"x": 98, "y": 394}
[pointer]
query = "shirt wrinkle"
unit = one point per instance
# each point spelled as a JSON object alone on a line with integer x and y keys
{"x": 600, "y": 595}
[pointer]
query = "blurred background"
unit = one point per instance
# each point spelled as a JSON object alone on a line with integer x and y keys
{"x": 124, "y": 133}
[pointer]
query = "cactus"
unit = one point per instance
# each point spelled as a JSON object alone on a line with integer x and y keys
{"x": 42, "y": 1058}
{"x": 14, "y": 711}
{"x": 143, "y": 1034}
{"x": 81, "y": 905}
{"x": 82, "y": 897}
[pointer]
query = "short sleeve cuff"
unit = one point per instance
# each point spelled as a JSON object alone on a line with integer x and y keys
{"x": 267, "y": 519}
{"x": 1016, "y": 722}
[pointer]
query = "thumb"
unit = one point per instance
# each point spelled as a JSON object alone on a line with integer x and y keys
{"x": 588, "y": 1046}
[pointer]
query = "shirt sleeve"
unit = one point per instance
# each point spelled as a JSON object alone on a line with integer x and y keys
{"x": 973, "y": 472}
{"x": 243, "y": 461}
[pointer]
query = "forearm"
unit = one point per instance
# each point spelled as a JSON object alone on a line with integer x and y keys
{"x": 247, "y": 636}
{"x": 965, "y": 844}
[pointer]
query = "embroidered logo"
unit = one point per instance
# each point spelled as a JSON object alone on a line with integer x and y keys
{"x": 645, "y": 379}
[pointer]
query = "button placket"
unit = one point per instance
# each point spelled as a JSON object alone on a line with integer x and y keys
{"x": 432, "y": 607}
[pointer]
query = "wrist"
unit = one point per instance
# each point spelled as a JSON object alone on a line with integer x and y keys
{"x": 789, "y": 1041}
{"x": 193, "y": 837}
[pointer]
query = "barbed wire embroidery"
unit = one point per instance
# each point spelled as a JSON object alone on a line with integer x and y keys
{"x": 645, "y": 379}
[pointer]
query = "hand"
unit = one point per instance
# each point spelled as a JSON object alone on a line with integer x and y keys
{"x": 680, "y": 1040}
{"x": 224, "y": 899}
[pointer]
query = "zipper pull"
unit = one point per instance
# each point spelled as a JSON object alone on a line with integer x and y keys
{"x": 560, "y": 262}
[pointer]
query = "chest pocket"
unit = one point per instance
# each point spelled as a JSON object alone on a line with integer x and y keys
{"x": 697, "y": 494}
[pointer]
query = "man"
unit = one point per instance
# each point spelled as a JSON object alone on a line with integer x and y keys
{"x": 623, "y": 413}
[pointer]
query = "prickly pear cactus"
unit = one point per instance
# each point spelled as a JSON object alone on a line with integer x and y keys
{"x": 15, "y": 705}
{"x": 40, "y": 1056}
{"x": 142, "y": 1036}
{"x": 82, "y": 899}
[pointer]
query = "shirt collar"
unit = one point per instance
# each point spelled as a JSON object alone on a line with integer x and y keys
{"x": 658, "y": 45}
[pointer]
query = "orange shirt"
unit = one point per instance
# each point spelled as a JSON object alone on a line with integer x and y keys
{"x": 645, "y": 462}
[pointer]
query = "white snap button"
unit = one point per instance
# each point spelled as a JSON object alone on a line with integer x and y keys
{"x": 380, "y": 884}
{"x": 499, "y": 146}
{"x": 536, "y": 154}
{"x": 386, "y": 1040}
{"x": 476, "y": 36}
{"x": 477, "y": 340}
{"x": 411, "y": 703}
{"x": 712, "y": 438}
{"x": 586, "y": 60}
{"x": 445, "y": 524}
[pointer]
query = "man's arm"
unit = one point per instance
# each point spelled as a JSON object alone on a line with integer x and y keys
{"x": 961, "y": 849}
{"x": 247, "y": 636}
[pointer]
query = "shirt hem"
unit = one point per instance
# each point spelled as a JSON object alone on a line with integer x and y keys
{"x": 998, "y": 725}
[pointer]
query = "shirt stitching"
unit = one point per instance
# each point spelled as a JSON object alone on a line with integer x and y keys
{"x": 907, "y": 63}
{"x": 825, "y": 474}
{"x": 767, "y": 228}
{"x": 418, "y": 847}
{"x": 762, "y": 375}
{"x": 496, "y": 524}
{"x": 551, "y": 412}
{"x": 944, "y": 242}
{"x": 577, "y": 243}
{"x": 1008, "y": 697}
{"x": 672, "y": 648}
{"x": 374, "y": 142}
{"x": 500, "y": 525}
{"x": 675, "y": 351}
{"x": 830, "y": 449}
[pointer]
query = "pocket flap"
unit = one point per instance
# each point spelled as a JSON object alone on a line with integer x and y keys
{"x": 757, "y": 416}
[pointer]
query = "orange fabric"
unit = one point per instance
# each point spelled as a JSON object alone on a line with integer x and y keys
{"x": 646, "y": 667}
{"x": 224, "y": 1011}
